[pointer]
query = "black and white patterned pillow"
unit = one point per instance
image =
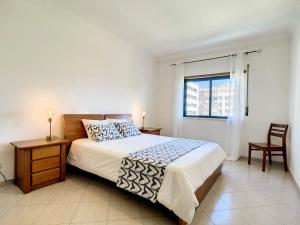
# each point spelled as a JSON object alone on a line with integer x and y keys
{"x": 103, "y": 132}
{"x": 127, "y": 129}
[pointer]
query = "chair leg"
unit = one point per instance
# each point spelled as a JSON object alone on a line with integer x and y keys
{"x": 270, "y": 157}
{"x": 264, "y": 161}
{"x": 249, "y": 155}
{"x": 285, "y": 160}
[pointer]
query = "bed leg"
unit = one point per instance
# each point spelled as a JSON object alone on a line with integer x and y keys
{"x": 181, "y": 222}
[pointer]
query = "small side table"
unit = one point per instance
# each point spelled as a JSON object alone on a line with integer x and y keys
{"x": 150, "y": 130}
{"x": 39, "y": 163}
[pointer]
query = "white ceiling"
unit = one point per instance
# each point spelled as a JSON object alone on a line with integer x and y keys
{"x": 165, "y": 27}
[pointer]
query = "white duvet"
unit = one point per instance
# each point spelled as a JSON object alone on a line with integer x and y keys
{"x": 182, "y": 178}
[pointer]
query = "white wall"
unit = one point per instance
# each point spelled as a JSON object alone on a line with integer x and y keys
{"x": 268, "y": 99}
{"x": 50, "y": 57}
{"x": 294, "y": 156}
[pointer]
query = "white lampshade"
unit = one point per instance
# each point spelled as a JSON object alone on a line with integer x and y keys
{"x": 144, "y": 114}
{"x": 50, "y": 113}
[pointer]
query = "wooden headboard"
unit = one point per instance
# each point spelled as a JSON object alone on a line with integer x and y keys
{"x": 118, "y": 116}
{"x": 73, "y": 126}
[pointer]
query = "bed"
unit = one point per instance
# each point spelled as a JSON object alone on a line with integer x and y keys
{"x": 187, "y": 180}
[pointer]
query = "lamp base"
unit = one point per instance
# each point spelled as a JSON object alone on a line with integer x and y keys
{"x": 50, "y": 138}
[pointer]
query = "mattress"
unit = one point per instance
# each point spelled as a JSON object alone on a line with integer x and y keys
{"x": 182, "y": 177}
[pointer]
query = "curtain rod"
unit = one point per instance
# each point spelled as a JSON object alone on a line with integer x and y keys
{"x": 219, "y": 57}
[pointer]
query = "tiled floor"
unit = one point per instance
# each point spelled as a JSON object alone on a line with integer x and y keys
{"x": 242, "y": 195}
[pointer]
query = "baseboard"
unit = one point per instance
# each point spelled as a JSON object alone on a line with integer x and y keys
{"x": 296, "y": 183}
{"x": 3, "y": 182}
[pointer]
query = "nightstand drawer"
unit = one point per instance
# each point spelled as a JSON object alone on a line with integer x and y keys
{"x": 45, "y": 164}
{"x": 155, "y": 132}
{"x": 150, "y": 130}
{"x": 44, "y": 152}
{"x": 44, "y": 176}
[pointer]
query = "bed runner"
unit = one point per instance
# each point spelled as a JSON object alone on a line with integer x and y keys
{"x": 142, "y": 172}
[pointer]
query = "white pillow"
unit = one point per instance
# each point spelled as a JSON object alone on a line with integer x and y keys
{"x": 92, "y": 122}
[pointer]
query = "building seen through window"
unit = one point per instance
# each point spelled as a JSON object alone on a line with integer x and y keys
{"x": 207, "y": 97}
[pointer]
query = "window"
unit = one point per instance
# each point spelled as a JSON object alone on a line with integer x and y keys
{"x": 207, "y": 96}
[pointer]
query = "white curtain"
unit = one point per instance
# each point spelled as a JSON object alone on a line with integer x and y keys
{"x": 178, "y": 99}
{"x": 235, "y": 135}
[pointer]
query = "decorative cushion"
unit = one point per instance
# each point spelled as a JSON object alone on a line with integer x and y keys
{"x": 127, "y": 129}
{"x": 103, "y": 132}
{"x": 95, "y": 122}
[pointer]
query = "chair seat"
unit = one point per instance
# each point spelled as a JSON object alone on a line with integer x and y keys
{"x": 264, "y": 145}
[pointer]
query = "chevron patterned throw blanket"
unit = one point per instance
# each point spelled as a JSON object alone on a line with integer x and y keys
{"x": 142, "y": 172}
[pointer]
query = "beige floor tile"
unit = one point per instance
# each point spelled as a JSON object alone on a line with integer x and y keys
{"x": 242, "y": 172}
{"x": 230, "y": 185}
{"x": 56, "y": 214}
{"x": 36, "y": 198}
{"x": 226, "y": 217}
{"x": 280, "y": 196}
{"x": 64, "y": 197}
{"x": 12, "y": 189}
{"x": 236, "y": 200}
{"x": 4, "y": 210}
{"x": 136, "y": 221}
{"x": 268, "y": 183}
{"x": 295, "y": 206}
{"x": 90, "y": 223}
{"x": 75, "y": 183}
{"x": 260, "y": 183}
{"x": 5, "y": 185}
{"x": 201, "y": 218}
{"x": 284, "y": 214}
{"x": 213, "y": 202}
{"x": 123, "y": 210}
{"x": 96, "y": 192}
{"x": 2, "y": 186}
{"x": 241, "y": 195}
{"x": 21, "y": 215}
{"x": 91, "y": 212}
{"x": 257, "y": 216}
{"x": 10, "y": 199}
{"x": 51, "y": 188}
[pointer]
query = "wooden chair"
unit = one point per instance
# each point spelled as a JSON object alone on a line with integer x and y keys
{"x": 269, "y": 149}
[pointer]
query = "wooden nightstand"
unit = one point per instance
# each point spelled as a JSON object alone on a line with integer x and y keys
{"x": 150, "y": 130}
{"x": 39, "y": 163}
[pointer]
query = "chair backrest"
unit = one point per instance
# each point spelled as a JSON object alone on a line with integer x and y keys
{"x": 278, "y": 130}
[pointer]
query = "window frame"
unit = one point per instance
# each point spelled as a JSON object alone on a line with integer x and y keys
{"x": 210, "y": 78}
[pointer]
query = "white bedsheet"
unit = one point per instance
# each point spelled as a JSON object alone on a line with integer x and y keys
{"x": 182, "y": 178}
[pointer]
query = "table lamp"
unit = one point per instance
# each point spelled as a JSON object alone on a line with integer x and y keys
{"x": 51, "y": 114}
{"x": 143, "y": 115}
